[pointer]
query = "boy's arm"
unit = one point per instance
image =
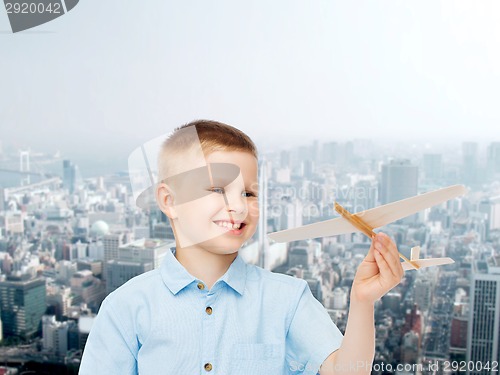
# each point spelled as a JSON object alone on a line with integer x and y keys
{"x": 111, "y": 347}
{"x": 379, "y": 272}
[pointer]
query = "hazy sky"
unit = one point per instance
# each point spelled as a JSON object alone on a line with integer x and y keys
{"x": 109, "y": 75}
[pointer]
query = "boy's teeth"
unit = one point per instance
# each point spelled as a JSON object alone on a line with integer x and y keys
{"x": 229, "y": 225}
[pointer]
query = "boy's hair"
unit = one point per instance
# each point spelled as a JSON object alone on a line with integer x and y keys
{"x": 210, "y": 135}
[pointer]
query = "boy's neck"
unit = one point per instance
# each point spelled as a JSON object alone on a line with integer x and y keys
{"x": 204, "y": 265}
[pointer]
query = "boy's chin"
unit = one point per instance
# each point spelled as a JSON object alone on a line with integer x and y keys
{"x": 221, "y": 249}
{"x": 215, "y": 246}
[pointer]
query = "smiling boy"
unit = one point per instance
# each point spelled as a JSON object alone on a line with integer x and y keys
{"x": 205, "y": 311}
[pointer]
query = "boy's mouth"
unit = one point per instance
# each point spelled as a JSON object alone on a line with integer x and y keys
{"x": 229, "y": 225}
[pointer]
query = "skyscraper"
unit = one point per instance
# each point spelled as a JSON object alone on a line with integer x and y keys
{"x": 493, "y": 160}
{"x": 22, "y": 304}
{"x": 432, "y": 167}
{"x": 111, "y": 243}
{"x": 70, "y": 172}
{"x": 399, "y": 180}
{"x": 483, "y": 337}
{"x": 470, "y": 163}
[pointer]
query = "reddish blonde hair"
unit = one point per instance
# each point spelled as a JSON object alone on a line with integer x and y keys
{"x": 210, "y": 135}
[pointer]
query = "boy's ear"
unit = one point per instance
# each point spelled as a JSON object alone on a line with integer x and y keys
{"x": 165, "y": 200}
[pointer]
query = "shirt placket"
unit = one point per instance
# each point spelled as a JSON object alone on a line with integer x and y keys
{"x": 208, "y": 365}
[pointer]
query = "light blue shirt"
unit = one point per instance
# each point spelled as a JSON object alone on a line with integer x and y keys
{"x": 251, "y": 322}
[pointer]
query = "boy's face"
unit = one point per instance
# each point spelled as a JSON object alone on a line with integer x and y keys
{"x": 215, "y": 208}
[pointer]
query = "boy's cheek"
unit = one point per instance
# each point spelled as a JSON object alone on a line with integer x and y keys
{"x": 253, "y": 208}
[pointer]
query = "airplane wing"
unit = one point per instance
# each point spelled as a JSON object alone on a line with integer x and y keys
{"x": 374, "y": 217}
{"x": 388, "y": 213}
{"x": 422, "y": 263}
{"x": 325, "y": 228}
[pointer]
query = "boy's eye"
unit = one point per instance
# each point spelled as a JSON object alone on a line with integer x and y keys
{"x": 246, "y": 194}
{"x": 217, "y": 190}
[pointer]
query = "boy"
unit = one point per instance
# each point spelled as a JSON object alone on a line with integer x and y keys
{"x": 205, "y": 311}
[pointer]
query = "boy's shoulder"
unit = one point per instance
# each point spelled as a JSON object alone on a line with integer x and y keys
{"x": 143, "y": 284}
{"x": 147, "y": 287}
{"x": 269, "y": 278}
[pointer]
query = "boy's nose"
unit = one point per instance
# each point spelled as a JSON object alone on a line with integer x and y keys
{"x": 235, "y": 202}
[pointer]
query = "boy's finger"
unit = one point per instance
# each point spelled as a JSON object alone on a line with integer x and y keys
{"x": 385, "y": 271}
{"x": 393, "y": 258}
{"x": 389, "y": 252}
{"x": 370, "y": 257}
{"x": 395, "y": 263}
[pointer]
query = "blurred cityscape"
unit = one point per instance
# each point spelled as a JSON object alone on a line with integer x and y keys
{"x": 67, "y": 241}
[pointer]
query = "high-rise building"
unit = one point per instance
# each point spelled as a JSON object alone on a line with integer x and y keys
{"x": 315, "y": 287}
{"x": 87, "y": 288}
{"x": 493, "y": 160}
{"x": 298, "y": 256}
{"x": 399, "y": 180}
{"x": 60, "y": 299}
{"x": 422, "y": 293}
{"x": 483, "y": 336}
{"x": 134, "y": 259}
{"x": 432, "y": 167}
{"x": 70, "y": 173}
{"x": 156, "y": 216}
{"x": 2, "y": 199}
{"x": 307, "y": 169}
{"x": 145, "y": 251}
{"x": 111, "y": 243}
{"x": 285, "y": 159}
{"x": 93, "y": 265}
{"x": 329, "y": 152}
{"x": 84, "y": 326}
{"x": 22, "y": 305}
{"x": 470, "y": 163}
{"x": 162, "y": 231}
{"x": 413, "y": 321}
{"x": 119, "y": 272}
{"x": 339, "y": 299}
{"x": 54, "y": 335}
{"x": 291, "y": 214}
{"x": 458, "y": 336}
{"x": 364, "y": 195}
{"x": 410, "y": 347}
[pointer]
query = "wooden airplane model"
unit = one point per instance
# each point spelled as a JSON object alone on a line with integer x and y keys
{"x": 376, "y": 217}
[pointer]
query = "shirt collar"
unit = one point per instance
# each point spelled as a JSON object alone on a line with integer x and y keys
{"x": 176, "y": 277}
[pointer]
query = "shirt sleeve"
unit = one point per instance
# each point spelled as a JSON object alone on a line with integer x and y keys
{"x": 111, "y": 348}
{"x": 312, "y": 335}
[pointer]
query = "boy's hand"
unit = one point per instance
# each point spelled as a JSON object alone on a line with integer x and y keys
{"x": 379, "y": 272}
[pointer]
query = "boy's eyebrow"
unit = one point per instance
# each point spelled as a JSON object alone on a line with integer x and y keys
{"x": 253, "y": 187}
{"x": 192, "y": 184}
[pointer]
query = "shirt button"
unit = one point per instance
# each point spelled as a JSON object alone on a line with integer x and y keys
{"x": 201, "y": 286}
{"x": 208, "y": 367}
{"x": 209, "y": 310}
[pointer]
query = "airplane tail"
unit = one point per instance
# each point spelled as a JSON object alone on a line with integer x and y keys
{"x": 415, "y": 258}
